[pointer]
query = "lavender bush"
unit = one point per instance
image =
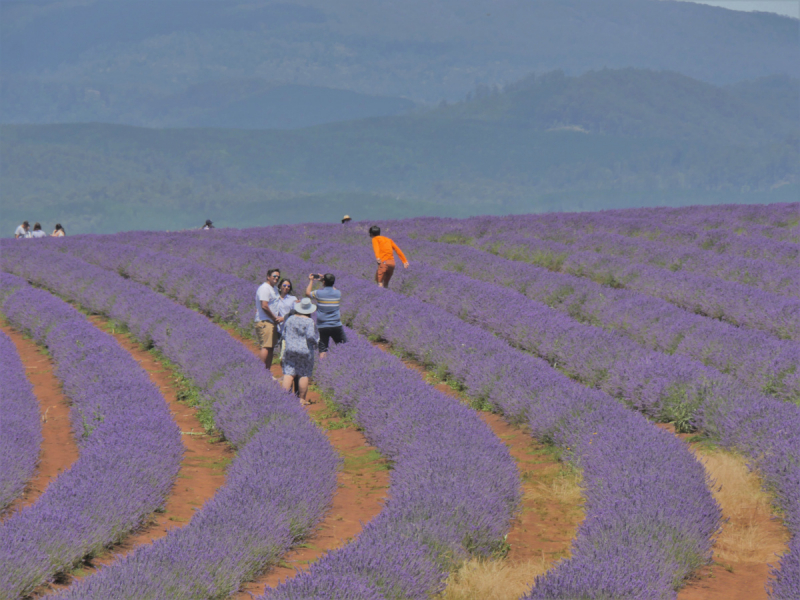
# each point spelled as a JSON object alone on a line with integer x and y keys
{"x": 733, "y": 233}
{"x": 280, "y": 482}
{"x": 454, "y": 485}
{"x": 566, "y": 227}
{"x": 595, "y": 432}
{"x": 735, "y": 303}
{"x": 20, "y": 425}
{"x": 669, "y": 388}
{"x": 756, "y": 359}
{"x": 741, "y": 218}
{"x": 130, "y": 448}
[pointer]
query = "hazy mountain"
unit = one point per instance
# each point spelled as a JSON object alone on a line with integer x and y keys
{"x": 550, "y": 142}
{"x": 638, "y": 103}
{"x": 144, "y": 62}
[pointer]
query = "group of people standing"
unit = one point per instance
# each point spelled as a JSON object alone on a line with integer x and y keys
{"x": 285, "y": 322}
{"x": 24, "y": 231}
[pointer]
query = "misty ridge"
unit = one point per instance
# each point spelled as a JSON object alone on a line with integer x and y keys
{"x": 228, "y": 64}
{"x": 126, "y": 114}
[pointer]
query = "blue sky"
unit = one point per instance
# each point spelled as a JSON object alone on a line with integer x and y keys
{"x": 782, "y": 7}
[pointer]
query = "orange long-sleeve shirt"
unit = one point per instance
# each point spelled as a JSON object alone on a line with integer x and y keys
{"x": 384, "y": 248}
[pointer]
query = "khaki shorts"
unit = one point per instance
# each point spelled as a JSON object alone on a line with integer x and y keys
{"x": 384, "y": 272}
{"x": 266, "y": 333}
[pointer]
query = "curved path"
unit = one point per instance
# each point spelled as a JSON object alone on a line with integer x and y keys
{"x": 551, "y": 507}
{"x": 750, "y": 540}
{"x": 202, "y": 469}
{"x": 362, "y": 488}
{"x": 59, "y": 449}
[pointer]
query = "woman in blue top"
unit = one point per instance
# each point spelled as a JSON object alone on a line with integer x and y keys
{"x": 300, "y": 338}
{"x": 284, "y": 306}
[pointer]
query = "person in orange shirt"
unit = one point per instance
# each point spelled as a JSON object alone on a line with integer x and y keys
{"x": 384, "y": 253}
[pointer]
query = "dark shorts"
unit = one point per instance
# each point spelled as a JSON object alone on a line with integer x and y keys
{"x": 326, "y": 334}
{"x": 384, "y": 273}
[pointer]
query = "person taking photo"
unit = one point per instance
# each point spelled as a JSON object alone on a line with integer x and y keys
{"x": 329, "y": 318}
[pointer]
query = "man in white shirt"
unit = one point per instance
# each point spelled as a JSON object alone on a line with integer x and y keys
{"x": 266, "y": 320}
{"x": 23, "y": 231}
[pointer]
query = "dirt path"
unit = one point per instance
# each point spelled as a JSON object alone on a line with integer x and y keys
{"x": 750, "y": 540}
{"x": 362, "y": 489}
{"x": 551, "y": 507}
{"x": 59, "y": 449}
{"x": 202, "y": 469}
{"x": 750, "y": 537}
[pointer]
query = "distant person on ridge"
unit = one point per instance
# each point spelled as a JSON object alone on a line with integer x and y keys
{"x": 329, "y": 318}
{"x": 58, "y": 231}
{"x": 346, "y": 219}
{"x": 23, "y": 231}
{"x": 384, "y": 253}
{"x": 208, "y": 225}
{"x": 266, "y": 320}
{"x": 37, "y": 231}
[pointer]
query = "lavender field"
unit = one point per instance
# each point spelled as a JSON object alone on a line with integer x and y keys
{"x": 612, "y": 338}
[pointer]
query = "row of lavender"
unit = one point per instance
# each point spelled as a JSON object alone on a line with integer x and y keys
{"x": 711, "y": 226}
{"x": 778, "y": 221}
{"x": 276, "y": 489}
{"x": 738, "y": 304}
{"x": 667, "y": 388}
{"x": 766, "y": 430}
{"x": 454, "y": 486}
{"x": 565, "y": 227}
{"x": 130, "y": 448}
{"x": 782, "y": 279}
{"x": 604, "y": 439}
{"x": 20, "y": 425}
{"x": 756, "y": 359}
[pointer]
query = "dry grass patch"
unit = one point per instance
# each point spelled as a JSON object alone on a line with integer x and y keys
{"x": 503, "y": 579}
{"x": 492, "y": 580}
{"x": 750, "y": 536}
{"x": 564, "y": 489}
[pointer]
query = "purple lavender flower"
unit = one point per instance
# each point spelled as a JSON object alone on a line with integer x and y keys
{"x": 20, "y": 425}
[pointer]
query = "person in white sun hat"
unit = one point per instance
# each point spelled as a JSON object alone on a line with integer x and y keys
{"x": 301, "y": 338}
{"x": 346, "y": 219}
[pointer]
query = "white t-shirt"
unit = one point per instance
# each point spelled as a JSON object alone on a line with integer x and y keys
{"x": 266, "y": 293}
{"x": 20, "y": 231}
{"x": 38, "y": 234}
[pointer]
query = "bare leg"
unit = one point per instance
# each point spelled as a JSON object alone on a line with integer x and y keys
{"x": 265, "y": 354}
{"x": 286, "y": 382}
{"x": 302, "y": 389}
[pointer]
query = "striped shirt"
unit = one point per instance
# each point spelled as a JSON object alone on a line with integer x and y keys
{"x": 328, "y": 301}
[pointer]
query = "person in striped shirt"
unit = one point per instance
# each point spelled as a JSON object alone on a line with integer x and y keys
{"x": 329, "y": 318}
{"x": 384, "y": 249}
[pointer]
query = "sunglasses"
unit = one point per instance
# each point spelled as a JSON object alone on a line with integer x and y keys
{"x": 286, "y": 285}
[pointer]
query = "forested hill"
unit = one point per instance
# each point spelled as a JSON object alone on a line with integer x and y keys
{"x": 641, "y": 103}
{"x": 539, "y": 145}
{"x": 189, "y": 63}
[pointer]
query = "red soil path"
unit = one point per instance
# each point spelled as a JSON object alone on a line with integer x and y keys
{"x": 201, "y": 473}
{"x": 59, "y": 449}
{"x": 362, "y": 489}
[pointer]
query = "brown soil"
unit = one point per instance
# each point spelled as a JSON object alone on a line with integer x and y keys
{"x": 742, "y": 579}
{"x": 201, "y": 474}
{"x": 551, "y": 507}
{"x": 362, "y": 489}
{"x": 59, "y": 449}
